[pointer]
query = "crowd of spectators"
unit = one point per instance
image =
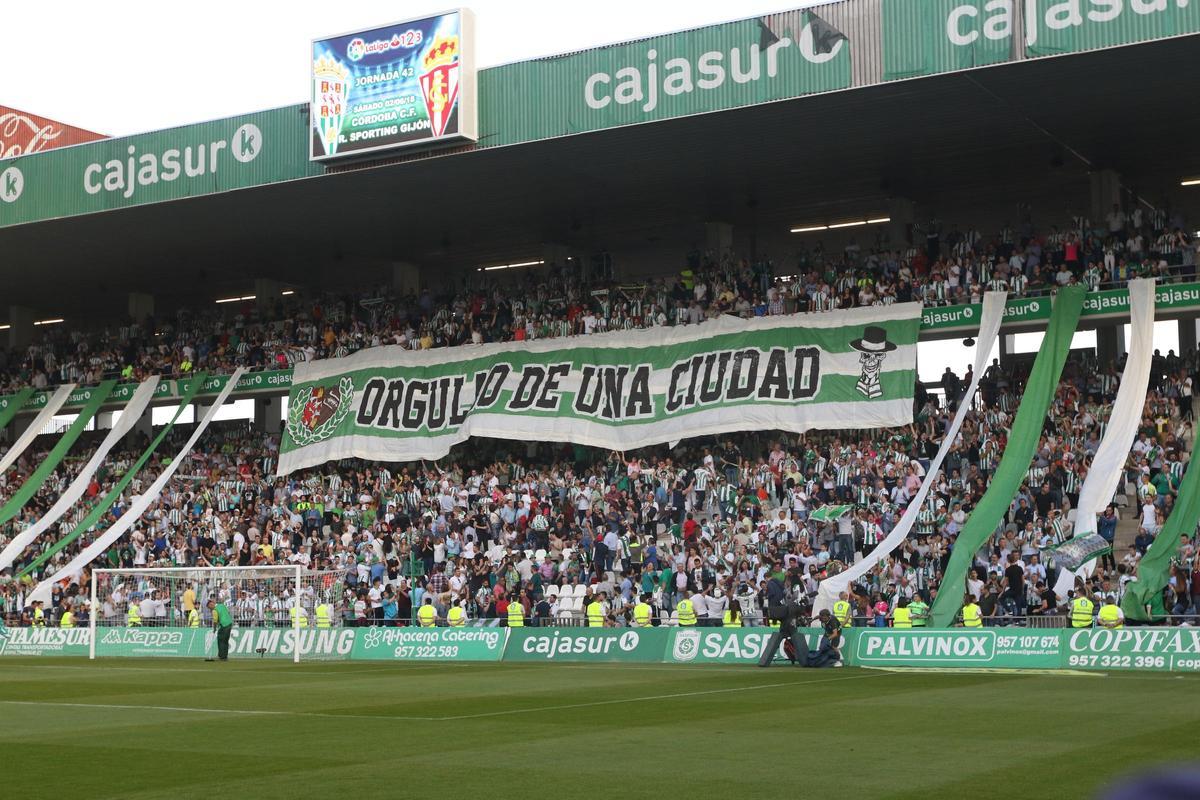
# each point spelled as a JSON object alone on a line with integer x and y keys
{"x": 940, "y": 267}
{"x": 501, "y": 522}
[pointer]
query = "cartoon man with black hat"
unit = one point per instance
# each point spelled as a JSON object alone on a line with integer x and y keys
{"x": 874, "y": 347}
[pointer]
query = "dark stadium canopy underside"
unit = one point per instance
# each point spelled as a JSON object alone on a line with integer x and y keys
{"x": 990, "y": 131}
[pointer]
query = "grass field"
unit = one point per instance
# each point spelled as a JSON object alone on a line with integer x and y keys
{"x": 263, "y": 729}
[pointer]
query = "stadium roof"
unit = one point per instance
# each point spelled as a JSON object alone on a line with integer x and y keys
{"x": 896, "y": 120}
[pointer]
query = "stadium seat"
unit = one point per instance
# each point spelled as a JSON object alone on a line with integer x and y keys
{"x": 539, "y": 556}
{"x": 551, "y": 590}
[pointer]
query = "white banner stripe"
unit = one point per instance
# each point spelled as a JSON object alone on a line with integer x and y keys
{"x": 1108, "y": 464}
{"x": 56, "y": 401}
{"x": 989, "y": 329}
{"x": 129, "y": 417}
{"x": 139, "y": 506}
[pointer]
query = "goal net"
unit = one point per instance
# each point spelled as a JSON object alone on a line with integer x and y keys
{"x": 278, "y": 612}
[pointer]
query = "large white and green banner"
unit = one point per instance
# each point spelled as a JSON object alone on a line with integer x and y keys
{"x": 844, "y": 369}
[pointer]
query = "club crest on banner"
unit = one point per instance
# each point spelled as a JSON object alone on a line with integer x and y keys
{"x": 316, "y": 419}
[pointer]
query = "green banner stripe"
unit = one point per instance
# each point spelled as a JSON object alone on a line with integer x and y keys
{"x": 15, "y": 403}
{"x": 104, "y": 504}
{"x": 1153, "y": 571}
{"x": 56, "y": 455}
{"x": 1022, "y": 442}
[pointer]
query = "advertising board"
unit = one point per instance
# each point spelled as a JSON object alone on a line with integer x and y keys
{"x": 409, "y": 83}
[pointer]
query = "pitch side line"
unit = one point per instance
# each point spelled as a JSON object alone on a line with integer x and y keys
{"x": 390, "y": 717}
{"x": 655, "y": 697}
{"x": 195, "y": 710}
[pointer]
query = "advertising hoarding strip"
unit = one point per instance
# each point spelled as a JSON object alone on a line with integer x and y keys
{"x": 13, "y": 405}
{"x": 1107, "y": 468}
{"x": 129, "y": 417}
{"x": 53, "y": 403}
{"x": 105, "y": 503}
{"x": 139, "y": 505}
{"x": 999, "y": 648}
{"x": 989, "y": 327}
{"x": 854, "y": 368}
{"x": 57, "y": 453}
{"x": 1022, "y": 442}
{"x": 1153, "y": 570}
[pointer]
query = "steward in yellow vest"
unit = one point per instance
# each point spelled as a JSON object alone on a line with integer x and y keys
{"x": 1110, "y": 616}
{"x": 299, "y": 618}
{"x": 642, "y": 613}
{"x": 427, "y": 614}
{"x": 133, "y": 617}
{"x": 456, "y": 616}
{"x": 324, "y": 616}
{"x": 39, "y": 616}
{"x": 1081, "y": 612}
{"x": 595, "y": 612}
{"x": 972, "y": 614}
{"x": 902, "y": 615}
{"x": 731, "y": 619}
{"x": 516, "y": 613}
{"x": 67, "y": 620}
{"x": 843, "y": 612}
{"x": 686, "y": 611}
{"x": 193, "y": 619}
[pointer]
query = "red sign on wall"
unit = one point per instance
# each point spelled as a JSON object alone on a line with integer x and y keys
{"x": 22, "y": 133}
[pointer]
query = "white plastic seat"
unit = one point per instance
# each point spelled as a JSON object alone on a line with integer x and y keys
{"x": 673, "y": 621}
{"x": 539, "y": 556}
{"x": 550, "y": 590}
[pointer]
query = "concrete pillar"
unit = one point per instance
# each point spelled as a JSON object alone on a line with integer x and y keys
{"x": 268, "y": 412}
{"x": 406, "y": 277}
{"x": 1106, "y": 190}
{"x": 718, "y": 237}
{"x": 1187, "y": 335}
{"x": 141, "y": 305}
{"x": 1108, "y": 344}
{"x": 901, "y": 211}
{"x": 20, "y": 331}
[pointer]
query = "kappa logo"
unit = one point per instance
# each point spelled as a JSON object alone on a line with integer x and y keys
{"x": 315, "y": 417}
{"x": 12, "y": 183}
{"x": 687, "y": 646}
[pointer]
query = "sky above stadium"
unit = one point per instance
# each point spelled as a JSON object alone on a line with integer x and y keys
{"x": 128, "y": 66}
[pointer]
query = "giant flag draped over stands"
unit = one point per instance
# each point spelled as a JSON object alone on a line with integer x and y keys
{"x": 1014, "y": 465}
{"x": 57, "y": 453}
{"x": 104, "y": 505}
{"x": 142, "y": 503}
{"x": 1154, "y": 570}
{"x": 1108, "y": 465}
{"x": 129, "y": 417}
{"x": 843, "y": 369}
{"x": 989, "y": 328}
{"x": 53, "y": 404}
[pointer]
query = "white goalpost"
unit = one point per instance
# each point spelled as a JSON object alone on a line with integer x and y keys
{"x": 258, "y": 598}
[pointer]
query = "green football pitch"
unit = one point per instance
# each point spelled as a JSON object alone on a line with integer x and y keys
{"x": 263, "y": 729}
